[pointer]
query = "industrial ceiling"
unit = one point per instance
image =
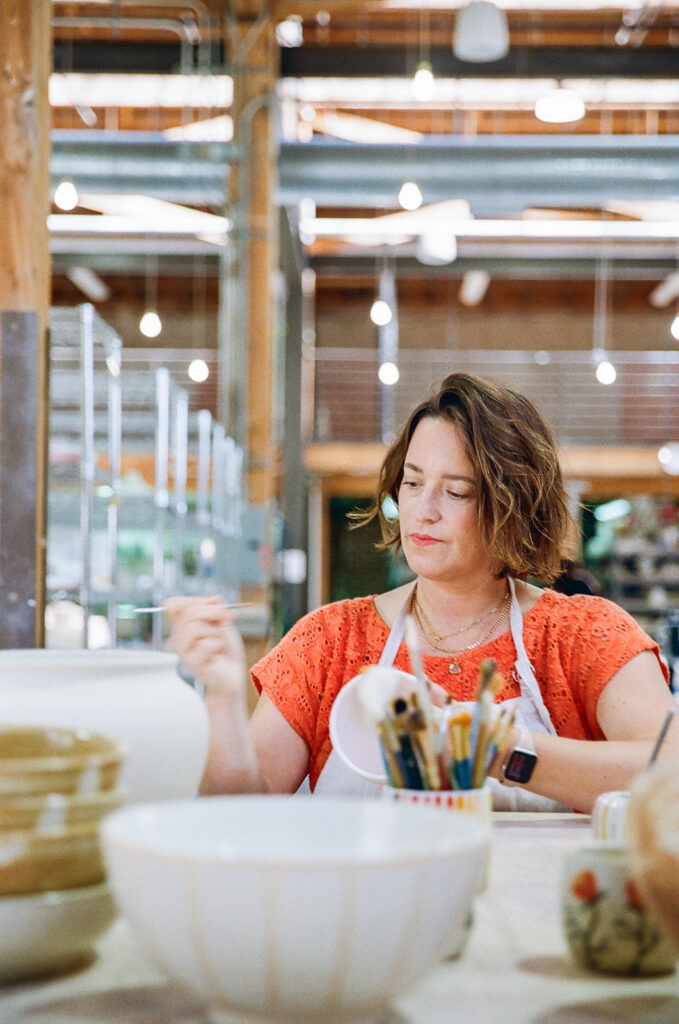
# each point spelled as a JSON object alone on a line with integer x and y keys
{"x": 533, "y": 199}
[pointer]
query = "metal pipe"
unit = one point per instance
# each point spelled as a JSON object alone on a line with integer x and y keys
{"x": 199, "y": 10}
{"x": 186, "y": 32}
{"x": 87, "y": 462}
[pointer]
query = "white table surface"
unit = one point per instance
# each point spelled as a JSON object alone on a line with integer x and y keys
{"x": 515, "y": 969}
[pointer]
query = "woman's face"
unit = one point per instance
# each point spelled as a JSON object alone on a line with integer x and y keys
{"x": 438, "y": 506}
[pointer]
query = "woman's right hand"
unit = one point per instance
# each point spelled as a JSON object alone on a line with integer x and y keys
{"x": 208, "y": 644}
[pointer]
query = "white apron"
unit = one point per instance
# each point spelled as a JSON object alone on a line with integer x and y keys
{"x": 338, "y": 779}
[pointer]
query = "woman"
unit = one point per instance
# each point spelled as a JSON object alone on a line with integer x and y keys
{"x": 482, "y": 506}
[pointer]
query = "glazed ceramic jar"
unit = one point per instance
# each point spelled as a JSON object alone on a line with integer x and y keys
{"x": 134, "y": 696}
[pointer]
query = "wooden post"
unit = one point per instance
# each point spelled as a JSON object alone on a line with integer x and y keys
{"x": 25, "y": 64}
{"x": 248, "y": 402}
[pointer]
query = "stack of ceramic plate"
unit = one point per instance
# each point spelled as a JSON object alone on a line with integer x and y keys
{"x": 56, "y": 786}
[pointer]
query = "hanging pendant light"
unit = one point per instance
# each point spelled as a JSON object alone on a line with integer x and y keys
{"x": 605, "y": 371}
{"x": 66, "y": 195}
{"x": 410, "y": 196}
{"x": 481, "y": 33}
{"x": 150, "y": 323}
{"x": 423, "y": 85}
{"x": 559, "y": 106}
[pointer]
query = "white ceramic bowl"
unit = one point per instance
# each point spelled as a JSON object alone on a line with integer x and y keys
{"x": 48, "y": 932}
{"x": 295, "y": 908}
{"x": 134, "y": 696}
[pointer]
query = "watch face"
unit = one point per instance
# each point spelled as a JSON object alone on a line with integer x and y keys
{"x": 519, "y": 767}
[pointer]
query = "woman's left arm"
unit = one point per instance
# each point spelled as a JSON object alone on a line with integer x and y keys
{"x": 630, "y": 711}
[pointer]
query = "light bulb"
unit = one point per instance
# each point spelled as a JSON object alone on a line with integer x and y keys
{"x": 66, "y": 195}
{"x": 410, "y": 196}
{"x": 388, "y": 373}
{"x": 380, "y": 313}
{"x": 668, "y": 457}
{"x": 605, "y": 372}
{"x": 423, "y": 85}
{"x": 674, "y": 328}
{"x": 198, "y": 371}
{"x": 150, "y": 324}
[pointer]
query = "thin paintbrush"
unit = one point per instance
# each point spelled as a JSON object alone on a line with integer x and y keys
{"x": 661, "y": 736}
{"x": 502, "y": 727}
{"x": 485, "y": 675}
{"x": 458, "y": 731}
{"x": 429, "y": 735}
{"x": 152, "y": 609}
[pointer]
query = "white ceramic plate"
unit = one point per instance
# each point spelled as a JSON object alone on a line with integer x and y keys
{"x": 50, "y": 932}
{"x": 353, "y": 736}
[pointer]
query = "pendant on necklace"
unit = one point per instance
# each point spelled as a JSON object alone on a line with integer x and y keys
{"x": 454, "y": 668}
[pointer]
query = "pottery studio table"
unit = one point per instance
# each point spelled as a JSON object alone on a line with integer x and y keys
{"x": 515, "y": 969}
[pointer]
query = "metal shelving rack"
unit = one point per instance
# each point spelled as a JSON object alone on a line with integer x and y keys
{"x": 98, "y": 416}
{"x": 85, "y": 447}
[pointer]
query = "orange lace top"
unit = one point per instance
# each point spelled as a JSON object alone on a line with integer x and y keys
{"x": 575, "y": 644}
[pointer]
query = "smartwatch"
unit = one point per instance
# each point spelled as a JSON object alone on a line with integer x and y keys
{"x": 518, "y": 768}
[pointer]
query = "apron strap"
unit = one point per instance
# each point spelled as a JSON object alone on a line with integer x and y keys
{"x": 397, "y": 632}
{"x": 523, "y": 668}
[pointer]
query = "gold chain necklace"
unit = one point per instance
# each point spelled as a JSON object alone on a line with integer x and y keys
{"x": 456, "y": 632}
{"x": 454, "y": 666}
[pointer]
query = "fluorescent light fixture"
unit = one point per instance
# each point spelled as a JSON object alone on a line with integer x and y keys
{"x": 380, "y": 313}
{"x": 482, "y": 93}
{"x": 388, "y": 373}
{"x": 209, "y": 129}
{"x": 417, "y": 223}
{"x": 198, "y": 371}
{"x": 89, "y": 283}
{"x": 66, "y": 195}
{"x": 514, "y": 5}
{"x": 674, "y": 328}
{"x": 61, "y": 224}
{"x": 76, "y": 89}
{"x": 559, "y": 106}
{"x": 150, "y": 324}
{"x": 474, "y": 287}
{"x": 139, "y": 215}
{"x": 666, "y": 292}
{"x": 423, "y": 85}
{"x": 410, "y": 196}
{"x": 354, "y": 128}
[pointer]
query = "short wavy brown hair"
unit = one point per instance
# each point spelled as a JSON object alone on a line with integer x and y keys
{"x": 524, "y": 518}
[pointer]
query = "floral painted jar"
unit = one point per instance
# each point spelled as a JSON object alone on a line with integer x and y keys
{"x": 607, "y": 925}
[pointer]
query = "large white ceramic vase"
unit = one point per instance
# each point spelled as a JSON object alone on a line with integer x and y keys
{"x": 135, "y": 696}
